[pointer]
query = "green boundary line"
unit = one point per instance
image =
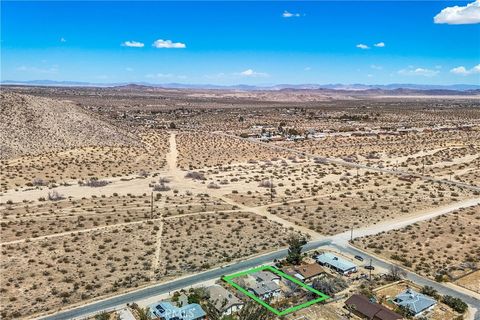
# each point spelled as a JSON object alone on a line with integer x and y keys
{"x": 229, "y": 279}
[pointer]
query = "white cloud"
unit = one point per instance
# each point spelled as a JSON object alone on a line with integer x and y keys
{"x": 362, "y": 46}
{"x": 159, "y": 75}
{"x": 376, "y": 67}
{"x": 62, "y": 39}
{"x": 168, "y": 44}
{"x": 164, "y": 76}
{"x": 220, "y": 75}
{"x": 50, "y": 70}
{"x": 287, "y": 14}
{"x": 380, "y": 44}
{"x": 307, "y": 69}
{"x": 411, "y": 71}
{"x": 133, "y": 44}
{"x": 470, "y": 14}
{"x": 461, "y": 70}
{"x": 252, "y": 74}
{"x": 128, "y": 69}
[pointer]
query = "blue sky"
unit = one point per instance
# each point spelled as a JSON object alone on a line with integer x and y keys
{"x": 372, "y": 42}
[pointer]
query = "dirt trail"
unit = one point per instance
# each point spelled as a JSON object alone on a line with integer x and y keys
{"x": 401, "y": 222}
{"x": 158, "y": 249}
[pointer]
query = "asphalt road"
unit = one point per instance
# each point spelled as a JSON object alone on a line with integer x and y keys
{"x": 121, "y": 300}
{"x": 443, "y": 290}
{"x": 186, "y": 282}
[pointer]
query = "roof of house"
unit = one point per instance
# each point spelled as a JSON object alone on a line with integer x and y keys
{"x": 335, "y": 261}
{"x": 259, "y": 286}
{"x": 371, "y": 310}
{"x": 222, "y": 299}
{"x": 265, "y": 276}
{"x": 414, "y": 301}
{"x": 170, "y": 312}
{"x": 309, "y": 270}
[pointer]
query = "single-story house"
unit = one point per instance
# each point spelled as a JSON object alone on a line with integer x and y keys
{"x": 166, "y": 311}
{"x": 309, "y": 271}
{"x": 365, "y": 309}
{"x": 263, "y": 284}
{"x": 305, "y": 272}
{"x": 223, "y": 300}
{"x": 414, "y": 301}
{"x": 338, "y": 264}
{"x": 267, "y": 276}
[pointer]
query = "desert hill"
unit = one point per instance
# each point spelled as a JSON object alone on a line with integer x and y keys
{"x": 33, "y": 125}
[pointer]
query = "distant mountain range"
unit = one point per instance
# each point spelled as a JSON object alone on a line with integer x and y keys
{"x": 340, "y": 87}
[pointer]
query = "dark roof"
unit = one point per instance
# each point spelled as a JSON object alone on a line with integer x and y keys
{"x": 309, "y": 270}
{"x": 371, "y": 310}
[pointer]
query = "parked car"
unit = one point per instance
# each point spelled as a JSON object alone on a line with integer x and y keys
{"x": 369, "y": 267}
{"x": 359, "y": 258}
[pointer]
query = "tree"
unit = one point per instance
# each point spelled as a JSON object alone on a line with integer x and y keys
{"x": 455, "y": 303}
{"x": 102, "y": 316}
{"x": 253, "y": 311}
{"x": 295, "y": 243}
{"x": 211, "y": 311}
{"x": 404, "y": 312}
{"x": 396, "y": 273}
{"x": 144, "y": 314}
{"x": 430, "y": 291}
{"x": 330, "y": 286}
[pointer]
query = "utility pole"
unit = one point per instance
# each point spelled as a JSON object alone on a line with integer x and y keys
{"x": 370, "y": 270}
{"x": 271, "y": 190}
{"x": 151, "y": 208}
{"x": 351, "y": 235}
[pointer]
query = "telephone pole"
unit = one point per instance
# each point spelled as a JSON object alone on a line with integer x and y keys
{"x": 151, "y": 207}
{"x": 351, "y": 235}
{"x": 370, "y": 270}
{"x": 271, "y": 190}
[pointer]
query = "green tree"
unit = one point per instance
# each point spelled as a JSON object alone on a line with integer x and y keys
{"x": 455, "y": 303}
{"x": 211, "y": 311}
{"x": 102, "y": 316}
{"x": 295, "y": 243}
{"x": 430, "y": 291}
{"x": 144, "y": 314}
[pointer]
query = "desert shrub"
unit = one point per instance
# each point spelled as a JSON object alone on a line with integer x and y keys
{"x": 330, "y": 286}
{"x": 430, "y": 291}
{"x": 94, "y": 182}
{"x": 266, "y": 184}
{"x": 455, "y": 303}
{"x": 195, "y": 175}
{"x": 161, "y": 187}
{"x": 55, "y": 196}
{"x": 213, "y": 185}
{"x": 39, "y": 182}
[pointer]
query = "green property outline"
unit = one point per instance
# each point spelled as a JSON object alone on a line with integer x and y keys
{"x": 229, "y": 279}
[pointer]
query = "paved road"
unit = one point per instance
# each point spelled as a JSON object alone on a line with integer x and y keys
{"x": 186, "y": 282}
{"x": 121, "y": 300}
{"x": 352, "y": 164}
{"x": 444, "y": 290}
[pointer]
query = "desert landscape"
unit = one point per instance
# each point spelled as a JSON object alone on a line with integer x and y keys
{"x": 105, "y": 190}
